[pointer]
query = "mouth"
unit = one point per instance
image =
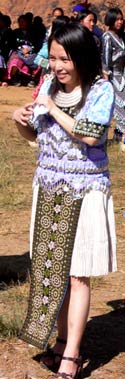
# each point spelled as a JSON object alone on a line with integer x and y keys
{"x": 61, "y": 76}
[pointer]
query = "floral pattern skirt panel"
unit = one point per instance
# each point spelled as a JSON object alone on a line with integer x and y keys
{"x": 56, "y": 221}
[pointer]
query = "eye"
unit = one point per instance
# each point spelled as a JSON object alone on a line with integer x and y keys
{"x": 65, "y": 59}
{"x": 52, "y": 58}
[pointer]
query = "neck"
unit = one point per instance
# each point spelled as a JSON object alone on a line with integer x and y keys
{"x": 71, "y": 88}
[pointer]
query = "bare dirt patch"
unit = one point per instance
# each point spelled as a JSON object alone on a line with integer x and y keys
{"x": 104, "y": 342}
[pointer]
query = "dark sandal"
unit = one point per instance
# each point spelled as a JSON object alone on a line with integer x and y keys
{"x": 64, "y": 375}
{"x": 51, "y": 355}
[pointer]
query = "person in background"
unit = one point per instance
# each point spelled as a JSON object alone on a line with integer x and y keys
{"x": 98, "y": 31}
{"x": 30, "y": 18}
{"x": 88, "y": 18}
{"x": 70, "y": 118}
{"x": 113, "y": 64}
{"x": 41, "y": 58}
{"x": 6, "y": 46}
{"x": 22, "y": 32}
{"x": 57, "y": 12}
{"x": 21, "y": 68}
{"x": 76, "y": 9}
{"x": 80, "y": 7}
{"x": 42, "y": 55}
{"x": 38, "y": 32}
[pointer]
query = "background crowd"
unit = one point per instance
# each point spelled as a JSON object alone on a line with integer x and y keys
{"x": 24, "y": 50}
{"x": 21, "y": 58}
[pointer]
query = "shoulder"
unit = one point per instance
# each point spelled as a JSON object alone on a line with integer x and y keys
{"x": 107, "y": 36}
{"x": 104, "y": 83}
{"x": 100, "y": 102}
{"x": 102, "y": 86}
{"x": 101, "y": 94}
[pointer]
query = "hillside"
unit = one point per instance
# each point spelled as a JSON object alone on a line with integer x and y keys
{"x": 16, "y": 7}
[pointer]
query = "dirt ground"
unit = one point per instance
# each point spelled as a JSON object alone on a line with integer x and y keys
{"x": 103, "y": 347}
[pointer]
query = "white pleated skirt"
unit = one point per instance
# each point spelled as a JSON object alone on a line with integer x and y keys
{"x": 94, "y": 252}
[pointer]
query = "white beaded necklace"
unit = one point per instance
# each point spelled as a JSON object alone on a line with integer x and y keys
{"x": 68, "y": 99}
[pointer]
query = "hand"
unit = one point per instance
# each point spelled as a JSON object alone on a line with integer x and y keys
{"x": 21, "y": 115}
{"x": 46, "y": 101}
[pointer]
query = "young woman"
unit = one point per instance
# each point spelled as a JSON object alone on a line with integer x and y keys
{"x": 113, "y": 62}
{"x": 72, "y": 189}
{"x": 88, "y": 18}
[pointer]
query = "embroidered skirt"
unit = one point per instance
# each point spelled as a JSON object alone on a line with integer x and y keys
{"x": 56, "y": 217}
{"x": 68, "y": 236}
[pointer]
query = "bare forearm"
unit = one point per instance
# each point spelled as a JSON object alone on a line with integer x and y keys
{"x": 67, "y": 124}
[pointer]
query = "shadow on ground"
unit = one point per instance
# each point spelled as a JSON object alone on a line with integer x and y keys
{"x": 14, "y": 268}
{"x": 104, "y": 338}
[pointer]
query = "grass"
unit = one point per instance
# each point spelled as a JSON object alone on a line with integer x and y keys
{"x": 13, "y": 305}
{"x": 17, "y": 163}
{"x": 17, "y": 160}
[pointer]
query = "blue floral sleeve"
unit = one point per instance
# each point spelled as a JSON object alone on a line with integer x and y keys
{"x": 102, "y": 101}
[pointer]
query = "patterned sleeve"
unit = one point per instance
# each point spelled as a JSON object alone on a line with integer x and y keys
{"x": 102, "y": 107}
{"x": 99, "y": 112}
{"x": 106, "y": 54}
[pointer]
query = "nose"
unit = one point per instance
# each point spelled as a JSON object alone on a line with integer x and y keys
{"x": 58, "y": 65}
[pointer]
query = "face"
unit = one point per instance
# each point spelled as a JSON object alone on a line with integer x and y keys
{"x": 22, "y": 23}
{"x": 56, "y": 14}
{"x": 63, "y": 67}
{"x": 89, "y": 22}
{"x": 74, "y": 14}
{"x": 118, "y": 23}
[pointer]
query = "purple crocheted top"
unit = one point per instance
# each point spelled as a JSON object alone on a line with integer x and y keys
{"x": 62, "y": 158}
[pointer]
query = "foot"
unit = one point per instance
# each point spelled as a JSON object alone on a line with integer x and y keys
{"x": 31, "y": 84}
{"x": 70, "y": 367}
{"x": 15, "y": 83}
{"x": 52, "y": 357}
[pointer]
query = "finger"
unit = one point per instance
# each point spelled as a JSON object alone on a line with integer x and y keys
{"x": 21, "y": 122}
{"x": 24, "y": 121}
{"x": 27, "y": 112}
{"x": 29, "y": 106}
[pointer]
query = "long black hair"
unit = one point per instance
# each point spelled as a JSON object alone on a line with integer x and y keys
{"x": 80, "y": 46}
{"x": 83, "y": 14}
{"x": 59, "y": 21}
{"x": 111, "y": 16}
